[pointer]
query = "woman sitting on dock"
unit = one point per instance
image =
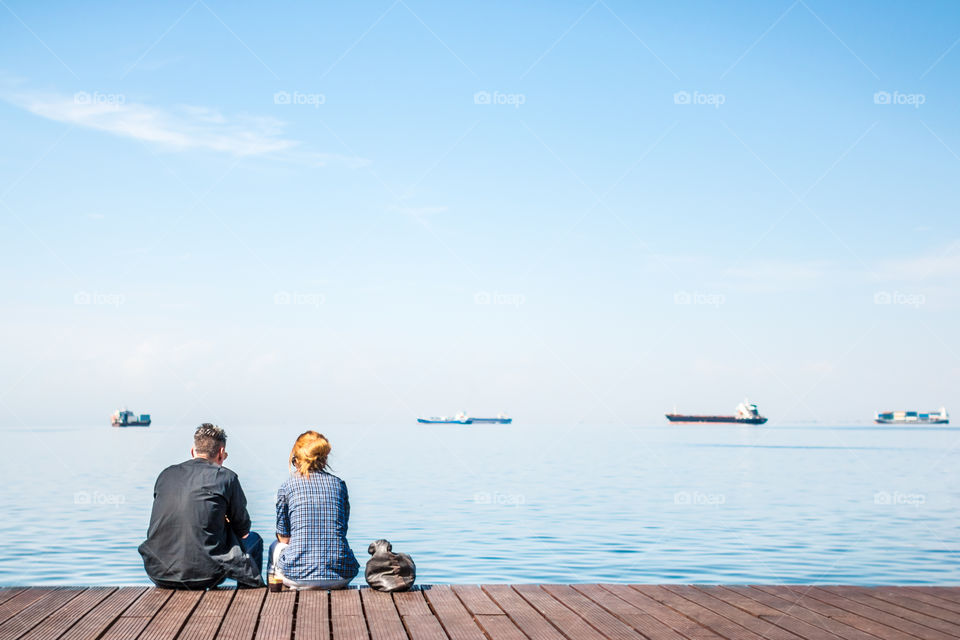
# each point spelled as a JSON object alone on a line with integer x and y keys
{"x": 311, "y": 550}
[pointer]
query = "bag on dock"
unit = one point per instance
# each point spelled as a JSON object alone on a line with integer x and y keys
{"x": 388, "y": 571}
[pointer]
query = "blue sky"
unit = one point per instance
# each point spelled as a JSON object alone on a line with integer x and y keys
{"x": 566, "y": 211}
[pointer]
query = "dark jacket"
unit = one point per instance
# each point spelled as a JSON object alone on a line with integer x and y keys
{"x": 190, "y": 543}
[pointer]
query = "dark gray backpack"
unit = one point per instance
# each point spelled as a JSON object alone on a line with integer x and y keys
{"x": 388, "y": 571}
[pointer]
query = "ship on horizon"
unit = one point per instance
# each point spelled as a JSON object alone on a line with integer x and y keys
{"x": 501, "y": 418}
{"x": 747, "y": 413}
{"x": 463, "y": 418}
{"x": 913, "y": 417}
{"x": 127, "y": 418}
{"x": 460, "y": 418}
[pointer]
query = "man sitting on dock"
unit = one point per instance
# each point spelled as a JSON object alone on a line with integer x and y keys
{"x": 199, "y": 531}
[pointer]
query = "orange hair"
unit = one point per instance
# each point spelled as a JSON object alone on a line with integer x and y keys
{"x": 309, "y": 453}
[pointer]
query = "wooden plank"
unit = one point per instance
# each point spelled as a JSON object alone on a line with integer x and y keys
{"x": 215, "y": 603}
{"x": 704, "y": 616}
{"x": 901, "y": 604}
{"x": 419, "y": 621}
{"x": 8, "y": 592}
{"x": 201, "y": 628}
{"x": 411, "y": 603}
{"x": 206, "y": 618}
{"x": 276, "y": 616}
{"x": 557, "y": 613}
{"x": 793, "y": 608}
{"x": 383, "y": 621}
{"x": 861, "y": 602}
{"x": 349, "y": 628}
{"x": 916, "y": 594}
{"x": 499, "y": 627}
{"x": 525, "y": 617}
{"x": 595, "y": 615}
{"x": 149, "y": 603}
{"x": 799, "y": 598}
{"x": 763, "y": 628}
{"x": 456, "y": 620}
{"x": 476, "y": 601}
{"x": 240, "y": 623}
{"x": 423, "y": 628}
{"x": 313, "y": 616}
{"x": 33, "y": 614}
{"x": 65, "y": 617}
{"x": 802, "y": 628}
{"x": 657, "y": 610}
{"x": 21, "y": 601}
{"x": 947, "y": 593}
{"x": 486, "y": 614}
{"x": 345, "y": 602}
{"x": 172, "y": 616}
{"x": 642, "y": 622}
{"x": 751, "y": 606}
{"x": 137, "y": 616}
{"x": 346, "y": 615}
{"x": 92, "y": 625}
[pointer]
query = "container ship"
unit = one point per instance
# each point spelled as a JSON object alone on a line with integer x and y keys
{"x": 913, "y": 417}
{"x": 463, "y": 418}
{"x": 747, "y": 413}
{"x": 500, "y": 419}
{"x": 125, "y": 418}
{"x": 460, "y": 418}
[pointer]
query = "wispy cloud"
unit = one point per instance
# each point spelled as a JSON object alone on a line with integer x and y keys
{"x": 928, "y": 267}
{"x": 180, "y": 128}
{"x": 772, "y": 276}
{"x": 935, "y": 275}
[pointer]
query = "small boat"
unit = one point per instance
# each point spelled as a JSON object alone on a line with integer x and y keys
{"x": 500, "y": 419}
{"x": 913, "y": 417}
{"x": 747, "y": 413}
{"x": 460, "y": 418}
{"x": 126, "y": 418}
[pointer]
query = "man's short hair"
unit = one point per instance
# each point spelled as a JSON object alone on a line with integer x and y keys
{"x": 208, "y": 439}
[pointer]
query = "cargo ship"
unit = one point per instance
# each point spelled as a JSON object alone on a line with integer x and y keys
{"x": 125, "y": 418}
{"x": 500, "y": 419}
{"x": 913, "y": 417}
{"x": 747, "y": 413}
{"x": 460, "y": 418}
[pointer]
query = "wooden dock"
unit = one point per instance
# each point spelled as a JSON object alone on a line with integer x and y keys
{"x": 471, "y": 612}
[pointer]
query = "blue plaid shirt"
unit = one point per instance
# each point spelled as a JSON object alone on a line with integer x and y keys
{"x": 313, "y": 510}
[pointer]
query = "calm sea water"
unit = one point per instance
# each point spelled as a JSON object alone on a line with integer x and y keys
{"x": 522, "y": 503}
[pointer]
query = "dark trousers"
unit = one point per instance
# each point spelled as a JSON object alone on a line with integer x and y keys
{"x": 252, "y": 546}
